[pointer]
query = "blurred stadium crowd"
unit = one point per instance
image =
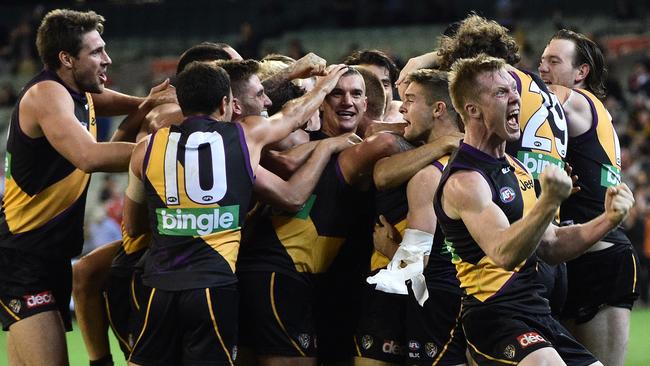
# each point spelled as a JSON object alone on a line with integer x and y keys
{"x": 266, "y": 27}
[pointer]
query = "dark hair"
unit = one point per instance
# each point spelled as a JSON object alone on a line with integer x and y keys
{"x": 587, "y": 52}
{"x": 200, "y": 88}
{"x": 205, "y": 51}
{"x": 63, "y": 30}
{"x": 477, "y": 35}
{"x": 280, "y": 96}
{"x": 436, "y": 86}
{"x": 374, "y": 57}
{"x": 240, "y": 72}
{"x": 374, "y": 92}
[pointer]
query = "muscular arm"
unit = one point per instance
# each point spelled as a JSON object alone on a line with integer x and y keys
{"x": 357, "y": 163}
{"x": 467, "y": 196}
{"x": 396, "y": 169}
{"x": 136, "y": 121}
{"x": 309, "y": 65}
{"x": 47, "y": 110}
{"x": 578, "y": 112}
{"x": 112, "y": 103}
{"x": 263, "y": 131}
{"x": 291, "y": 195}
{"x": 135, "y": 206}
{"x": 285, "y": 163}
{"x": 561, "y": 244}
{"x": 420, "y": 62}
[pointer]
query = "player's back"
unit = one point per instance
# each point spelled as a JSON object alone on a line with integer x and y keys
{"x": 198, "y": 182}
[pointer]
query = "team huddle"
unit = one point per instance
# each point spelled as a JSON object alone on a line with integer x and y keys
{"x": 290, "y": 212}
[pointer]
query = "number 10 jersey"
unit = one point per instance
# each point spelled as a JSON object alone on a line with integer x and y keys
{"x": 198, "y": 181}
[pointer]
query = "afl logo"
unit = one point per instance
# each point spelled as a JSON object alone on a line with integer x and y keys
{"x": 507, "y": 194}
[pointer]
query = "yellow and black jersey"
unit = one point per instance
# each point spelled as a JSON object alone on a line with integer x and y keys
{"x": 307, "y": 241}
{"x": 393, "y": 204}
{"x": 440, "y": 272}
{"x": 130, "y": 252}
{"x": 45, "y": 195}
{"x": 544, "y": 134}
{"x": 483, "y": 281}
{"x": 198, "y": 183}
{"x": 596, "y": 159}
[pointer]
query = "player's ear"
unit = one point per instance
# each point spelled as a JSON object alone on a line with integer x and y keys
{"x": 236, "y": 106}
{"x": 66, "y": 59}
{"x": 472, "y": 110}
{"x": 439, "y": 109}
{"x": 583, "y": 71}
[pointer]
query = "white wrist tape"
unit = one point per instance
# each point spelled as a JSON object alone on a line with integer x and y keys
{"x": 135, "y": 188}
{"x": 407, "y": 264}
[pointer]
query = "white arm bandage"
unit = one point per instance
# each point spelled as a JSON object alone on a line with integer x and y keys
{"x": 135, "y": 188}
{"x": 407, "y": 264}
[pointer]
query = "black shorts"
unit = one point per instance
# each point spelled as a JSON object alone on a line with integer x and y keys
{"x": 123, "y": 296}
{"x": 434, "y": 334}
{"x": 276, "y": 314}
{"x": 554, "y": 279}
{"x": 30, "y": 284}
{"x": 607, "y": 277}
{"x": 498, "y": 336}
{"x": 381, "y": 331}
{"x": 189, "y": 327}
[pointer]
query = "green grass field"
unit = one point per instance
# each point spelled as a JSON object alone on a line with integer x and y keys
{"x": 637, "y": 355}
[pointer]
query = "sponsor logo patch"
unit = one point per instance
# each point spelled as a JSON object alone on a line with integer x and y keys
{"x": 431, "y": 349}
{"x": 509, "y": 352}
{"x": 40, "y": 299}
{"x": 507, "y": 194}
{"x": 366, "y": 342}
{"x": 197, "y": 221}
{"x": 529, "y": 339}
{"x": 304, "y": 340}
{"x": 536, "y": 162}
{"x": 392, "y": 348}
{"x": 14, "y": 305}
{"x": 414, "y": 345}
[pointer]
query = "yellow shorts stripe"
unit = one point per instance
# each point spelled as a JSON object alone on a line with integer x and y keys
{"x": 634, "y": 266}
{"x": 13, "y": 315}
{"x": 135, "y": 299}
{"x": 451, "y": 338}
{"x": 110, "y": 322}
{"x": 216, "y": 328}
{"x": 146, "y": 321}
{"x": 277, "y": 317}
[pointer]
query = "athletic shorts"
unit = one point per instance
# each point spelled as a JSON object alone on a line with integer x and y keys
{"x": 189, "y": 327}
{"x": 30, "y": 284}
{"x": 380, "y": 334}
{"x": 606, "y": 277}
{"x": 434, "y": 334}
{"x": 554, "y": 279}
{"x": 123, "y": 296}
{"x": 497, "y": 336}
{"x": 276, "y": 315}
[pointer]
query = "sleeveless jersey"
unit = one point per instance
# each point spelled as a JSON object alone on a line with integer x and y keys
{"x": 45, "y": 195}
{"x": 440, "y": 272}
{"x": 393, "y": 204}
{"x": 198, "y": 183}
{"x": 596, "y": 158}
{"x": 482, "y": 280}
{"x": 543, "y": 125}
{"x": 130, "y": 252}
{"x": 309, "y": 240}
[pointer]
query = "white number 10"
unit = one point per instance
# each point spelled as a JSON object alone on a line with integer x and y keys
{"x": 192, "y": 167}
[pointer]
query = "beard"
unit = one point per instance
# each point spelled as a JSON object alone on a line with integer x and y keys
{"x": 88, "y": 82}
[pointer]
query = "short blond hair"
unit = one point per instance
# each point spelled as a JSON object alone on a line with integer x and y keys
{"x": 463, "y": 79}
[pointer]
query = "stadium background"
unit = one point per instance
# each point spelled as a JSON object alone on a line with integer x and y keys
{"x": 144, "y": 38}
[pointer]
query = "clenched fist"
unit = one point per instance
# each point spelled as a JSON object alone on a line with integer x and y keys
{"x": 556, "y": 184}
